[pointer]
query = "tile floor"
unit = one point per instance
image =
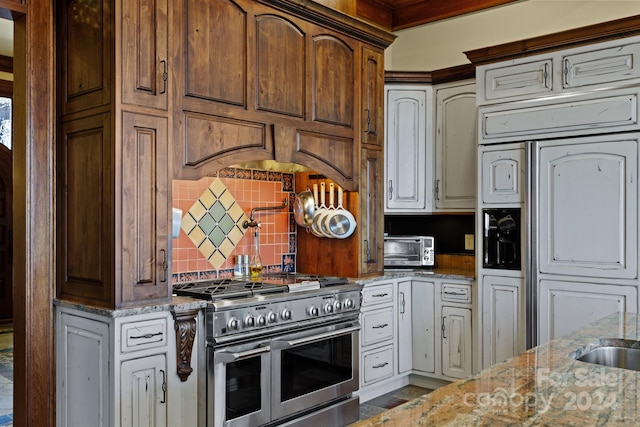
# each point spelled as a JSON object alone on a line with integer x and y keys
{"x": 390, "y": 400}
{"x": 6, "y": 375}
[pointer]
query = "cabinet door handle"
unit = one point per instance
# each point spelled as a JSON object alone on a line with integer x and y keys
{"x": 437, "y": 189}
{"x": 165, "y": 265}
{"x": 443, "y": 327}
{"x": 381, "y": 365}
{"x": 402, "y": 303}
{"x": 164, "y": 387}
{"x": 145, "y": 336}
{"x": 384, "y": 325}
{"x": 390, "y": 189}
{"x": 565, "y": 71}
{"x": 545, "y": 75}
{"x": 165, "y": 76}
{"x": 368, "y": 112}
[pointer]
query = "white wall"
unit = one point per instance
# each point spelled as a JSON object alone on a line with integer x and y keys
{"x": 441, "y": 44}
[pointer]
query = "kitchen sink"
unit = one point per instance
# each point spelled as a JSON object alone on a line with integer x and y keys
{"x": 616, "y": 353}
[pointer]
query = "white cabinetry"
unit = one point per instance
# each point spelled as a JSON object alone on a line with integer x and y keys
{"x": 502, "y": 174}
{"x": 566, "y": 306}
{"x": 430, "y": 147}
{"x": 405, "y": 341}
{"x": 456, "y": 342}
{"x": 455, "y": 146}
{"x": 408, "y": 148}
{"x": 502, "y": 318}
{"x": 115, "y": 371}
{"x": 423, "y": 307}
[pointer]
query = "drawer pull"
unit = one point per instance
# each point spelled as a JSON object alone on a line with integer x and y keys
{"x": 458, "y": 294}
{"x": 145, "y": 336}
{"x": 384, "y": 325}
{"x": 381, "y": 365}
{"x": 379, "y": 295}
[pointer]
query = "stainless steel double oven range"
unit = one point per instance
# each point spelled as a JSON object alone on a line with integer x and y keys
{"x": 280, "y": 350}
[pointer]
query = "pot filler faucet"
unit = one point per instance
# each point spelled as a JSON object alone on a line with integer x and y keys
{"x": 253, "y": 223}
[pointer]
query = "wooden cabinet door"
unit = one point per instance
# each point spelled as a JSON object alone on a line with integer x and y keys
{"x": 567, "y": 306}
{"x": 144, "y": 53}
{"x": 502, "y": 325}
{"x": 404, "y": 327}
{"x": 372, "y": 87}
{"x": 145, "y": 214}
{"x": 143, "y": 395}
{"x": 456, "y": 342}
{"x": 371, "y": 223}
{"x": 588, "y": 207}
{"x": 423, "y": 325}
{"x": 502, "y": 175}
{"x": 406, "y": 168}
{"x": 456, "y": 147}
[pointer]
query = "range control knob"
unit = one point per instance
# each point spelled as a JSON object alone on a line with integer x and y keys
{"x": 233, "y": 324}
{"x": 286, "y": 314}
{"x": 249, "y": 321}
{"x": 272, "y": 317}
{"x": 348, "y": 303}
{"x": 261, "y": 320}
{"x": 328, "y": 308}
{"x": 313, "y": 311}
{"x": 337, "y": 306}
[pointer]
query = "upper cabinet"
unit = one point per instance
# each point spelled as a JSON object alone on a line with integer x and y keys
{"x": 431, "y": 147}
{"x": 455, "y": 146}
{"x": 270, "y": 84}
{"x": 409, "y": 144}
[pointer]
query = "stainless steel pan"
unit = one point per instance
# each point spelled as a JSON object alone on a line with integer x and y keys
{"x": 341, "y": 224}
{"x": 304, "y": 208}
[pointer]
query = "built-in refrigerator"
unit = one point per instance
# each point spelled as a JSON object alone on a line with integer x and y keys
{"x": 563, "y": 170}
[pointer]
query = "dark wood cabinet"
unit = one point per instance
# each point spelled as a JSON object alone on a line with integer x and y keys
{"x": 372, "y": 97}
{"x": 113, "y": 166}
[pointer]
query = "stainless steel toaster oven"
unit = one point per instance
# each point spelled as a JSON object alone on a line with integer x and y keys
{"x": 409, "y": 251}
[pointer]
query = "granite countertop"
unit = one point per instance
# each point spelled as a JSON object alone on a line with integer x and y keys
{"x": 540, "y": 387}
{"x": 176, "y": 304}
{"x": 450, "y": 273}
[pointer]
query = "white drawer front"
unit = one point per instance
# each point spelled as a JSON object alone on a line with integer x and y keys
{"x": 456, "y": 293}
{"x": 377, "y": 326}
{"x": 377, "y": 294}
{"x": 144, "y": 334}
{"x": 601, "y": 66}
{"x": 377, "y": 364}
{"x": 516, "y": 81}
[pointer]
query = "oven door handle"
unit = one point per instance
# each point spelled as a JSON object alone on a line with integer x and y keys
{"x": 230, "y": 356}
{"x": 282, "y": 344}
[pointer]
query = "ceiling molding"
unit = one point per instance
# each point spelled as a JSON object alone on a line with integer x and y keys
{"x": 402, "y": 14}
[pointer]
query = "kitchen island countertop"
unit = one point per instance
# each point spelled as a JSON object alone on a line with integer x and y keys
{"x": 542, "y": 386}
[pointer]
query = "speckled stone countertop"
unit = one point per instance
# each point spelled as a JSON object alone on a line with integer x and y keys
{"x": 176, "y": 304}
{"x": 543, "y": 386}
{"x": 446, "y": 273}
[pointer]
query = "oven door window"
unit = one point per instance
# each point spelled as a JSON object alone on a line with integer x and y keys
{"x": 402, "y": 250}
{"x": 243, "y": 388}
{"x": 315, "y": 366}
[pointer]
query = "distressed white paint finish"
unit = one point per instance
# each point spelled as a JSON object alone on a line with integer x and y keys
{"x": 408, "y": 148}
{"x": 566, "y": 306}
{"x": 515, "y": 81}
{"x": 142, "y": 401}
{"x": 455, "y": 146}
{"x": 423, "y": 300}
{"x": 502, "y": 175}
{"x": 456, "y": 342}
{"x": 405, "y": 342}
{"x": 600, "y": 65}
{"x": 588, "y": 207}
{"x": 502, "y": 318}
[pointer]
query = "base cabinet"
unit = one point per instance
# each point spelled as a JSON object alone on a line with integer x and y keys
{"x": 116, "y": 371}
{"x": 456, "y": 342}
{"x": 423, "y": 304}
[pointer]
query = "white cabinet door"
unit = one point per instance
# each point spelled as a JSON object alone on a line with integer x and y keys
{"x": 143, "y": 396}
{"x": 502, "y": 174}
{"x": 601, "y": 66}
{"x": 456, "y": 146}
{"x": 406, "y": 149}
{"x": 588, "y": 207}
{"x": 510, "y": 82}
{"x": 423, "y": 301}
{"x": 567, "y": 306}
{"x": 502, "y": 325}
{"x": 456, "y": 342}
{"x": 404, "y": 327}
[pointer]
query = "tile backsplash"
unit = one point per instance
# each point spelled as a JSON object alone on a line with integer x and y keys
{"x": 214, "y": 209}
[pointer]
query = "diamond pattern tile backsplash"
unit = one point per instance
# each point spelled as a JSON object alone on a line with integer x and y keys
{"x": 213, "y": 211}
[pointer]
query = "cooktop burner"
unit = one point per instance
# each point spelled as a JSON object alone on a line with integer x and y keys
{"x": 239, "y": 287}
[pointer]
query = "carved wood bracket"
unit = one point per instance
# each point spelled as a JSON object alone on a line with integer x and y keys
{"x": 185, "y": 325}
